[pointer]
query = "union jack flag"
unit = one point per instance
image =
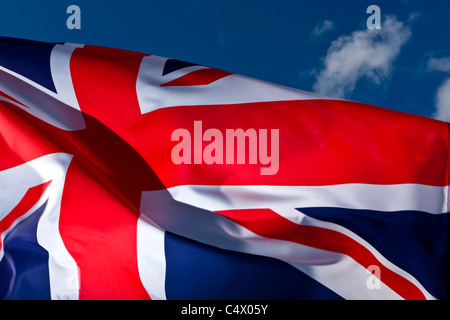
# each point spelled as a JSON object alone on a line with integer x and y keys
{"x": 92, "y": 205}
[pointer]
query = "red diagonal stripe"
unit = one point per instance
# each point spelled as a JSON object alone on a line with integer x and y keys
{"x": 28, "y": 201}
{"x": 197, "y": 78}
{"x": 12, "y": 99}
{"x": 269, "y": 224}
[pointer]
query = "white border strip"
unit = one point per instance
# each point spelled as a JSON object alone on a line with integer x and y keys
{"x": 388, "y": 198}
{"x": 151, "y": 257}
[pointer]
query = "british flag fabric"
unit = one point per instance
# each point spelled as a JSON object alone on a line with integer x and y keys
{"x": 131, "y": 176}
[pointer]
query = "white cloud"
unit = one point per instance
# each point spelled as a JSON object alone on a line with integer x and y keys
{"x": 443, "y": 102}
{"x": 442, "y": 64}
{"x": 442, "y": 99}
{"x": 413, "y": 16}
{"x": 323, "y": 27}
{"x": 366, "y": 53}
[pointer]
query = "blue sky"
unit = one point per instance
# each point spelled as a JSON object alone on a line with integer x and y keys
{"x": 321, "y": 46}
